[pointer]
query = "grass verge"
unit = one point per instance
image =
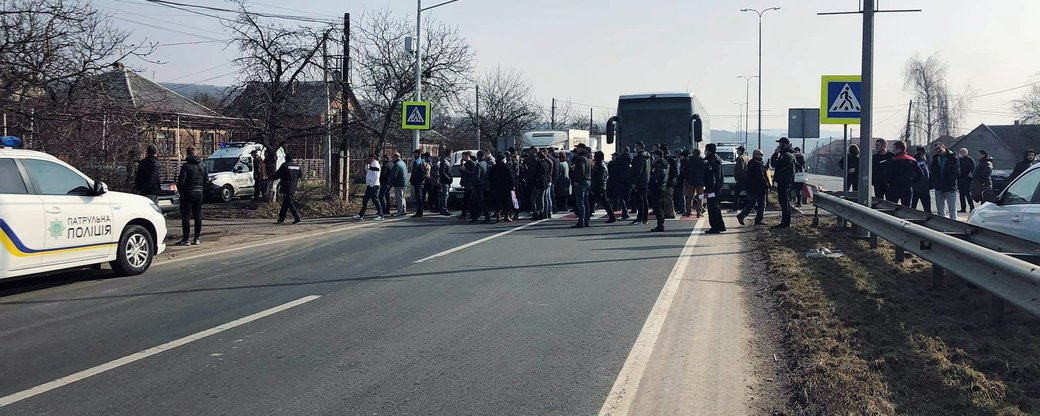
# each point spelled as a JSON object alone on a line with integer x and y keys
{"x": 312, "y": 200}
{"x": 864, "y": 335}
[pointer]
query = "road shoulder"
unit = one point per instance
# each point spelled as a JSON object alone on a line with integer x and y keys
{"x": 699, "y": 362}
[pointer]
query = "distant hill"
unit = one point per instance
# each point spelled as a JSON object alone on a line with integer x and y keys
{"x": 218, "y": 92}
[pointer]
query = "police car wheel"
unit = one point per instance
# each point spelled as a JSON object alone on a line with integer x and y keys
{"x": 226, "y": 193}
{"x": 135, "y": 251}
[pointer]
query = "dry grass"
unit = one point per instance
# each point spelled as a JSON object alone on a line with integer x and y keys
{"x": 867, "y": 336}
{"x": 312, "y": 200}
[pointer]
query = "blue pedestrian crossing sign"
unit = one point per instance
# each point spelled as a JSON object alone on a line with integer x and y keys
{"x": 839, "y": 99}
{"x": 415, "y": 115}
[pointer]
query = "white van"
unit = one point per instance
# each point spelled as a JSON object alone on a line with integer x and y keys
{"x": 53, "y": 217}
{"x": 231, "y": 170}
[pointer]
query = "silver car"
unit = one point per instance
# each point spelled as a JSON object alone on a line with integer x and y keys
{"x": 1014, "y": 211}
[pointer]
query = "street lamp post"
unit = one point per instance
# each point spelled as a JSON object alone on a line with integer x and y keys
{"x": 760, "y": 13}
{"x": 747, "y": 103}
{"x": 418, "y": 59}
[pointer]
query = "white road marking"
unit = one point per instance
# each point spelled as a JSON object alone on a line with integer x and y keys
{"x": 93, "y": 371}
{"x": 619, "y": 401}
{"x": 471, "y": 244}
{"x": 270, "y": 242}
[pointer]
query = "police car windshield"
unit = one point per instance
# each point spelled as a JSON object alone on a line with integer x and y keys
{"x": 220, "y": 164}
{"x": 727, "y": 156}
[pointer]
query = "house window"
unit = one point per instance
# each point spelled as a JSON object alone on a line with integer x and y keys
{"x": 207, "y": 143}
{"x": 167, "y": 142}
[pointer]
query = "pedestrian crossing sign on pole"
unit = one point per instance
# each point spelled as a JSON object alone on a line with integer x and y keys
{"x": 415, "y": 115}
{"x": 839, "y": 99}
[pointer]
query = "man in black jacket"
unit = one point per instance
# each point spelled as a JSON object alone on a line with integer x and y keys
{"x": 673, "y": 173}
{"x": 964, "y": 180}
{"x": 466, "y": 167}
{"x": 580, "y": 176}
{"x": 756, "y": 185}
{"x": 877, "y": 160}
{"x": 419, "y": 175}
{"x": 623, "y": 194}
{"x": 444, "y": 180}
{"x": 712, "y": 188}
{"x": 902, "y": 172}
{"x": 190, "y": 183}
{"x": 783, "y": 176}
{"x": 944, "y": 171}
{"x": 481, "y": 185}
{"x": 1020, "y": 167}
{"x": 600, "y": 179}
{"x": 923, "y": 186}
{"x": 289, "y": 175}
{"x": 146, "y": 181}
{"x": 657, "y": 181}
{"x": 640, "y": 177}
{"x": 693, "y": 183}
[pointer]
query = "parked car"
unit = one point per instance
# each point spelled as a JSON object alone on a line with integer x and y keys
{"x": 1000, "y": 179}
{"x": 169, "y": 198}
{"x": 1015, "y": 210}
{"x": 53, "y": 217}
{"x": 231, "y": 170}
{"x": 728, "y": 193}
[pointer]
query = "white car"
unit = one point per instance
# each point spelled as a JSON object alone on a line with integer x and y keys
{"x": 231, "y": 170}
{"x": 1014, "y": 211}
{"x": 53, "y": 217}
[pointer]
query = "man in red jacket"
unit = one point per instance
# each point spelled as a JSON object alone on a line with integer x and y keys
{"x": 901, "y": 172}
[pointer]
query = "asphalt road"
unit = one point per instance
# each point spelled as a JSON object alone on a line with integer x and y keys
{"x": 541, "y": 320}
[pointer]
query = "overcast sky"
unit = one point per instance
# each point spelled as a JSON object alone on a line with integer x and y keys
{"x": 591, "y": 51}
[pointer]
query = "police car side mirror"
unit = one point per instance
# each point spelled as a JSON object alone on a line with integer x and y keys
{"x": 99, "y": 188}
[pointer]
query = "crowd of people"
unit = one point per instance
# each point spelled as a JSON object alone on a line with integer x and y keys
{"x": 957, "y": 179}
{"x": 633, "y": 185}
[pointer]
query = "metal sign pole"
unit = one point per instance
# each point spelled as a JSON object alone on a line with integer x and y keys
{"x": 865, "y": 100}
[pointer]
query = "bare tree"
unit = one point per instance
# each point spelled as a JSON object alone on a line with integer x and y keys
{"x": 936, "y": 112}
{"x": 274, "y": 59}
{"x": 507, "y": 104}
{"x": 1028, "y": 107}
{"x": 50, "y": 56}
{"x": 386, "y": 72}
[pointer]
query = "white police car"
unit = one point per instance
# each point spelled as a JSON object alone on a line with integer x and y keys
{"x": 54, "y": 217}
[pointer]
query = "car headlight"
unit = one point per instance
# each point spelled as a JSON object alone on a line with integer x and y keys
{"x": 155, "y": 207}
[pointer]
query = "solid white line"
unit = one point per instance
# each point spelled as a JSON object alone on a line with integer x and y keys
{"x": 471, "y": 244}
{"x": 619, "y": 401}
{"x": 93, "y": 371}
{"x": 270, "y": 242}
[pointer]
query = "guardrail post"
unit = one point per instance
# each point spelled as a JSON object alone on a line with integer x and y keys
{"x": 937, "y": 276}
{"x": 816, "y": 217}
{"x": 873, "y": 241}
{"x": 996, "y": 311}
{"x": 900, "y": 254}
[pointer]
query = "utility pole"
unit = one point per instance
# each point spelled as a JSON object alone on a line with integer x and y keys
{"x": 552, "y": 117}
{"x": 478, "y": 117}
{"x": 344, "y": 112}
{"x": 590, "y": 120}
{"x": 909, "y": 111}
{"x": 418, "y": 66}
{"x": 328, "y": 110}
{"x": 866, "y": 97}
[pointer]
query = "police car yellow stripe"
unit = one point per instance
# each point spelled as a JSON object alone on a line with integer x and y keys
{"x": 14, "y": 245}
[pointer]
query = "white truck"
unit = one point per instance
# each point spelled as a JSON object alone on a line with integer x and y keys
{"x": 555, "y": 139}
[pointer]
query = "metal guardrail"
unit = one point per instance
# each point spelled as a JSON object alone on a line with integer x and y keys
{"x": 1001, "y": 274}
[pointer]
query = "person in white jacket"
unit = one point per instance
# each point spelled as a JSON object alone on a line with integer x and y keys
{"x": 372, "y": 191}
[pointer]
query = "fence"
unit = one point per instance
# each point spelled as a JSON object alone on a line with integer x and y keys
{"x": 988, "y": 259}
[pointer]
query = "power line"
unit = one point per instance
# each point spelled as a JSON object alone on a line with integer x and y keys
{"x": 221, "y": 9}
{"x": 169, "y": 29}
{"x": 161, "y": 45}
{"x": 199, "y": 72}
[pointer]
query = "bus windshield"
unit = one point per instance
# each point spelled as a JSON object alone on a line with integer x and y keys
{"x": 656, "y": 121}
